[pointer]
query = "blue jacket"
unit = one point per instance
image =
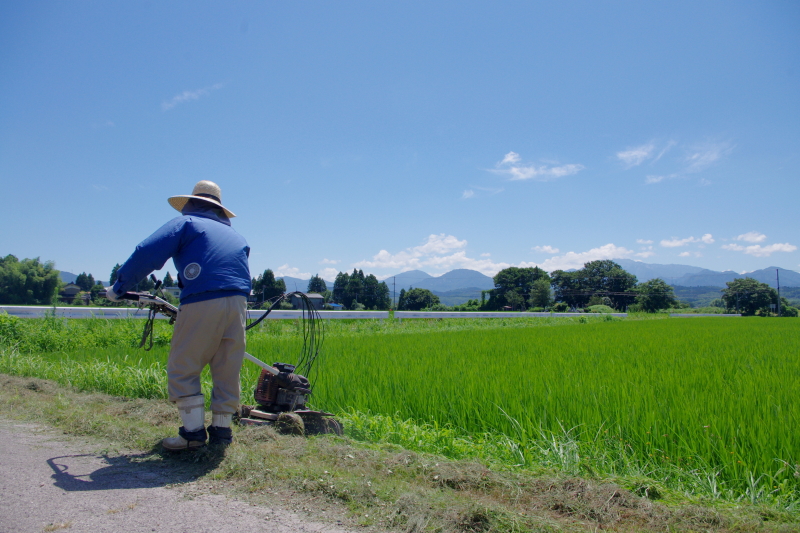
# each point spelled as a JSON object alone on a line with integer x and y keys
{"x": 210, "y": 256}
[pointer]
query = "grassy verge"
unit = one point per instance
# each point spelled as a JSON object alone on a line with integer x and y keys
{"x": 383, "y": 486}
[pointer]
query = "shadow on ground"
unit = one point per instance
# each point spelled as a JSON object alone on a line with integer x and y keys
{"x": 155, "y": 468}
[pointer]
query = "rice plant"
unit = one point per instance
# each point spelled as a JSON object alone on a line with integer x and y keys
{"x": 703, "y": 404}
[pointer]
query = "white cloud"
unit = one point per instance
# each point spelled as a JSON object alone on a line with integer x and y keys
{"x": 442, "y": 253}
{"x": 675, "y": 242}
{"x": 509, "y": 159}
{"x": 468, "y": 194}
{"x": 294, "y": 272}
{"x": 328, "y": 274}
{"x": 188, "y": 96}
{"x": 666, "y": 149}
{"x": 636, "y": 156}
{"x": 653, "y": 179}
{"x": 509, "y": 166}
{"x": 702, "y": 156}
{"x": 490, "y": 190}
{"x": 576, "y": 260}
{"x": 684, "y": 254}
{"x": 644, "y": 241}
{"x": 487, "y": 254}
{"x": 752, "y": 236}
{"x": 416, "y": 257}
{"x": 761, "y": 251}
{"x": 546, "y": 249}
{"x": 327, "y": 261}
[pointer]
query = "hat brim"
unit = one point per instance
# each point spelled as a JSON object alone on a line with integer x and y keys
{"x": 179, "y": 202}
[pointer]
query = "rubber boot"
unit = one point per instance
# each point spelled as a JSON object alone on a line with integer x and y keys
{"x": 219, "y": 432}
{"x": 192, "y": 434}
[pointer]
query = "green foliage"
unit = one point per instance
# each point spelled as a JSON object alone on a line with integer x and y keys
{"x": 541, "y": 293}
{"x": 655, "y": 294}
{"x": 416, "y": 299}
{"x": 28, "y": 282}
{"x": 113, "y": 276}
{"x": 560, "y": 307}
{"x": 84, "y": 281}
{"x": 748, "y": 296}
{"x": 316, "y": 284}
{"x": 597, "y": 278}
{"x": 168, "y": 281}
{"x": 471, "y": 305}
{"x": 513, "y": 286}
{"x": 145, "y": 285}
{"x": 367, "y": 290}
{"x": 266, "y": 287}
{"x": 600, "y": 309}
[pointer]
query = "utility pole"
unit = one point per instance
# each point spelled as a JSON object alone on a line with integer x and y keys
{"x": 778, "y": 276}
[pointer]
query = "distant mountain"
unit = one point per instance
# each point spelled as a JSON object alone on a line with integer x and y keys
{"x": 711, "y": 278}
{"x": 691, "y": 276}
{"x": 457, "y": 279}
{"x": 458, "y": 296}
{"x": 297, "y": 284}
{"x": 705, "y": 278}
{"x": 405, "y": 280}
{"x": 648, "y": 271}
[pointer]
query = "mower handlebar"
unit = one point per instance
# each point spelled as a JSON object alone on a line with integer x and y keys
{"x": 131, "y": 296}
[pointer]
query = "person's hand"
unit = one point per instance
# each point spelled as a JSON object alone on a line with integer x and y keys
{"x": 111, "y": 295}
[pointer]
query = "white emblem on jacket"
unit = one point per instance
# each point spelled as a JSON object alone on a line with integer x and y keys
{"x": 191, "y": 271}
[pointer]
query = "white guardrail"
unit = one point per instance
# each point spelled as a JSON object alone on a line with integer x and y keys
{"x": 500, "y": 314}
{"x": 686, "y": 315}
{"x": 24, "y": 311}
{"x": 31, "y": 311}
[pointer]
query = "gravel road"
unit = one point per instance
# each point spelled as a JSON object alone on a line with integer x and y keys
{"x": 49, "y": 482}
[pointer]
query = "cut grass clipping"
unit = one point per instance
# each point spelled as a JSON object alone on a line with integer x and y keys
{"x": 706, "y": 406}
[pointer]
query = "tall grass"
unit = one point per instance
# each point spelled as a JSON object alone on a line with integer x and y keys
{"x": 708, "y": 404}
{"x": 716, "y": 396}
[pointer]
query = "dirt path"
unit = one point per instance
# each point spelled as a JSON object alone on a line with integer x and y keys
{"x": 49, "y": 482}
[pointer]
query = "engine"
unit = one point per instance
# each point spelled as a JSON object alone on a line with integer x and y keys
{"x": 285, "y": 392}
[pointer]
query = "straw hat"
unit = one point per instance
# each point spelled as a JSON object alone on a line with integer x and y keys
{"x": 205, "y": 190}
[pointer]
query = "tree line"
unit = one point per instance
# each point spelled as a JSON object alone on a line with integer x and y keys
{"x": 352, "y": 291}
{"x": 598, "y": 283}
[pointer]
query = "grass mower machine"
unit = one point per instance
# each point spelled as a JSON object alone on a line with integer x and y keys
{"x": 281, "y": 394}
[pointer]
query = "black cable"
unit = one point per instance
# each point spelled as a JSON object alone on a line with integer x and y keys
{"x": 313, "y": 333}
{"x": 148, "y": 330}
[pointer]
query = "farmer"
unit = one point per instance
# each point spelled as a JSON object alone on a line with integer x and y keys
{"x": 214, "y": 277}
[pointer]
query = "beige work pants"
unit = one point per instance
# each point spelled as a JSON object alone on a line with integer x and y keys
{"x": 210, "y": 333}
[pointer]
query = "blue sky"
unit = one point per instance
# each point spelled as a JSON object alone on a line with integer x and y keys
{"x": 396, "y": 136}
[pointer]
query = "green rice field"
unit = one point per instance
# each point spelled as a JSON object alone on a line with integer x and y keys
{"x": 705, "y": 405}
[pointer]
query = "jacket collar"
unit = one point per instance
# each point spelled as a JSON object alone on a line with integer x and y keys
{"x": 203, "y": 209}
